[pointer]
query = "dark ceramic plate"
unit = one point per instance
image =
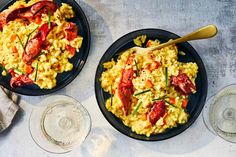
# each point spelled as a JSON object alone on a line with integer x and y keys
{"x": 78, "y": 60}
{"x": 196, "y": 101}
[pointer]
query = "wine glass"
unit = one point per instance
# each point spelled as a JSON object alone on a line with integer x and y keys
{"x": 219, "y": 113}
{"x": 60, "y": 124}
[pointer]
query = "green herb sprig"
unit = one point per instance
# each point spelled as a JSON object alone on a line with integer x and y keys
{"x": 137, "y": 69}
{"x": 111, "y": 96}
{"x": 36, "y": 73}
{"x": 170, "y": 104}
{"x": 49, "y": 19}
{"x": 157, "y": 99}
{"x": 163, "y": 99}
{"x": 39, "y": 10}
{"x": 145, "y": 91}
{"x": 28, "y": 36}
{"x": 18, "y": 70}
{"x": 20, "y": 41}
{"x": 137, "y": 108}
{"x": 166, "y": 76}
{"x": 42, "y": 52}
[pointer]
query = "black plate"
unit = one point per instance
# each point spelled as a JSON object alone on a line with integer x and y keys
{"x": 196, "y": 101}
{"x": 78, "y": 60}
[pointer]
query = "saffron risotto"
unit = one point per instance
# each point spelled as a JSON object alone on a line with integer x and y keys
{"x": 54, "y": 60}
{"x": 140, "y": 103}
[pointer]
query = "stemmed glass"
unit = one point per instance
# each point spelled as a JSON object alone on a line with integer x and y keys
{"x": 60, "y": 124}
{"x": 219, "y": 113}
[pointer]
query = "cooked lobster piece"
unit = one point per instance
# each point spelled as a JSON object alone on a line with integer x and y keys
{"x": 30, "y": 12}
{"x": 183, "y": 84}
{"x": 125, "y": 86}
{"x": 36, "y": 44}
{"x": 19, "y": 80}
{"x": 157, "y": 111}
{"x": 71, "y": 31}
{"x": 3, "y": 16}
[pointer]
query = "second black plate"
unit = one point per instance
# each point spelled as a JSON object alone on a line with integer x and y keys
{"x": 196, "y": 101}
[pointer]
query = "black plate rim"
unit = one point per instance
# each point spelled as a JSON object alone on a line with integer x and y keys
{"x": 80, "y": 67}
{"x": 154, "y": 137}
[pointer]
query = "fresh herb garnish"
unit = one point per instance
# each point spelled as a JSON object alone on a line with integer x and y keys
{"x": 166, "y": 75}
{"x": 4, "y": 69}
{"x": 39, "y": 10}
{"x": 18, "y": 70}
{"x": 49, "y": 19}
{"x": 163, "y": 99}
{"x": 36, "y": 73}
{"x": 157, "y": 99}
{"x": 170, "y": 104}
{"x": 137, "y": 70}
{"x": 111, "y": 96}
{"x": 20, "y": 41}
{"x": 42, "y": 52}
{"x": 136, "y": 109}
{"x": 145, "y": 91}
{"x": 28, "y": 36}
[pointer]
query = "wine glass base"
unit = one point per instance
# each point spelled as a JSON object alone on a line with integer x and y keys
{"x": 59, "y": 125}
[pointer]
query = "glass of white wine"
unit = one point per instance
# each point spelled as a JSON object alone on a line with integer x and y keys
{"x": 219, "y": 113}
{"x": 60, "y": 124}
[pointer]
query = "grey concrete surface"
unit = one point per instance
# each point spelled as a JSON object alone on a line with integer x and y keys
{"x": 111, "y": 19}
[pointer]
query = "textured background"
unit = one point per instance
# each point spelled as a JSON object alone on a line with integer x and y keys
{"x": 111, "y": 19}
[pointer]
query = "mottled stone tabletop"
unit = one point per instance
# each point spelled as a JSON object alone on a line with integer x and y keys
{"x": 111, "y": 19}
